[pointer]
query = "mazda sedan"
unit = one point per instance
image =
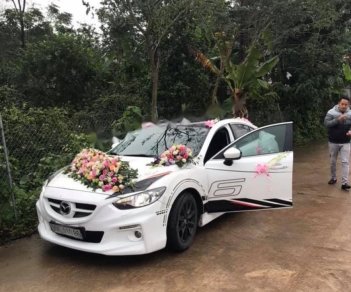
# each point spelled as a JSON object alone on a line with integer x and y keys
{"x": 186, "y": 175}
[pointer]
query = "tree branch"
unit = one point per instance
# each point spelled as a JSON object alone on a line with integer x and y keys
{"x": 168, "y": 27}
{"x": 24, "y": 5}
{"x": 128, "y": 6}
{"x": 14, "y": 4}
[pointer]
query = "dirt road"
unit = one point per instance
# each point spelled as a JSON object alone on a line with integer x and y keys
{"x": 306, "y": 248}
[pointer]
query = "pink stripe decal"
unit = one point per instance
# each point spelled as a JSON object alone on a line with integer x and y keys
{"x": 248, "y": 204}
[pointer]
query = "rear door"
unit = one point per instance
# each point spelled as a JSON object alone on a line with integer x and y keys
{"x": 260, "y": 179}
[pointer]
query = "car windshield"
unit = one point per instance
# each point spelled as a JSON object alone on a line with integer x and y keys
{"x": 152, "y": 141}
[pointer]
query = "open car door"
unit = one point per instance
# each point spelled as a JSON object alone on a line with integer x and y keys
{"x": 252, "y": 173}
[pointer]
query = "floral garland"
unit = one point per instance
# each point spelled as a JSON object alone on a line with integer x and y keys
{"x": 177, "y": 154}
{"x": 264, "y": 167}
{"x": 211, "y": 123}
{"x": 97, "y": 170}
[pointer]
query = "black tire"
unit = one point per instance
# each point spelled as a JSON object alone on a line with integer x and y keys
{"x": 182, "y": 223}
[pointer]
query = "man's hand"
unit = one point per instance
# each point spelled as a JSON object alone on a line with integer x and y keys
{"x": 348, "y": 133}
{"x": 342, "y": 118}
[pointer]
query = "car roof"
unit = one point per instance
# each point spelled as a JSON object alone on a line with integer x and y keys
{"x": 220, "y": 123}
{"x": 216, "y": 123}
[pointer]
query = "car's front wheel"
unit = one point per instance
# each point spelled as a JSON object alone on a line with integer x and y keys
{"x": 182, "y": 222}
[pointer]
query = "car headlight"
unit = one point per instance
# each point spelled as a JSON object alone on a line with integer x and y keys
{"x": 140, "y": 199}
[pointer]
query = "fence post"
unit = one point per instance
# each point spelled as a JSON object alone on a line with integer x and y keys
{"x": 8, "y": 166}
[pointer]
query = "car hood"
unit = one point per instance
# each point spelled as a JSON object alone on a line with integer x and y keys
{"x": 145, "y": 171}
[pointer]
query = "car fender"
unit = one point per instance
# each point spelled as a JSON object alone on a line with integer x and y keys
{"x": 185, "y": 184}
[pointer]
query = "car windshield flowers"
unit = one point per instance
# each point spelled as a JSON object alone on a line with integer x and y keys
{"x": 96, "y": 169}
{"x": 177, "y": 154}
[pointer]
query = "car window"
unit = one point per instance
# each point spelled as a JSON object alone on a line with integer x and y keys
{"x": 240, "y": 130}
{"x": 154, "y": 140}
{"x": 219, "y": 140}
{"x": 265, "y": 141}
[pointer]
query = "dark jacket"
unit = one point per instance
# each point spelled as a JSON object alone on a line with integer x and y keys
{"x": 337, "y": 130}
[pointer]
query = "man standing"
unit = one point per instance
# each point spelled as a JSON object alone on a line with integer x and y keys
{"x": 338, "y": 122}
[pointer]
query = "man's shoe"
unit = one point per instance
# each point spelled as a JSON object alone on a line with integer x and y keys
{"x": 345, "y": 187}
{"x": 332, "y": 181}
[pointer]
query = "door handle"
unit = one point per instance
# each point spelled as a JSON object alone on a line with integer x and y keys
{"x": 277, "y": 167}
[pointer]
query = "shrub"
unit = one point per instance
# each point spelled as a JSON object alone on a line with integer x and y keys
{"x": 39, "y": 142}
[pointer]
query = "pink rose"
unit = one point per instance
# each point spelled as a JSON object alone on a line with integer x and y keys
{"x": 106, "y": 188}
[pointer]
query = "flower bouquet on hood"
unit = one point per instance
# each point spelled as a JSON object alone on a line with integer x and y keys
{"x": 177, "y": 154}
{"x": 96, "y": 169}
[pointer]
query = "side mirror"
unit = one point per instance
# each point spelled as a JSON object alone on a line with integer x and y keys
{"x": 231, "y": 154}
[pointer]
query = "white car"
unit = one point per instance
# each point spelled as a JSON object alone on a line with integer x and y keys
{"x": 239, "y": 167}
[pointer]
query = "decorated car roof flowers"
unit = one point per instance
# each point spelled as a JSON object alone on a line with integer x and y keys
{"x": 97, "y": 170}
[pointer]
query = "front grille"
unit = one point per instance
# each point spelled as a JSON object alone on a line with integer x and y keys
{"x": 85, "y": 206}
{"x": 79, "y": 210}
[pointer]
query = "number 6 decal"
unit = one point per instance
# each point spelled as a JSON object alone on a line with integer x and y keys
{"x": 226, "y": 188}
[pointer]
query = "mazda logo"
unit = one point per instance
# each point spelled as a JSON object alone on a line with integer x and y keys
{"x": 65, "y": 208}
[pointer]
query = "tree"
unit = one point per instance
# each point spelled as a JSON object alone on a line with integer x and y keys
{"x": 20, "y": 8}
{"x": 11, "y": 50}
{"x": 243, "y": 78}
{"x": 62, "y": 70}
{"x": 149, "y": 22}
{"x": 212, "y": 17}
{"x": 62, "y": 21}
{"x": 311, "y": 43}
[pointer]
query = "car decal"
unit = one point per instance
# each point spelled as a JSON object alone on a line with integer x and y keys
{"x": 176, "y": 191}
{"x": 245, "y": 204}
{"x": 225, "y": 188}
{"x": 161, "y": 212}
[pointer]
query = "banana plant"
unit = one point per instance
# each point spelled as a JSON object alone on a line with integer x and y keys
{"x": 347, "y": 71}
{"x": 244, "y": 78}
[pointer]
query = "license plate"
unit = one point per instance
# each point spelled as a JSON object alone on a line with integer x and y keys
{"x": 66, "y": 230}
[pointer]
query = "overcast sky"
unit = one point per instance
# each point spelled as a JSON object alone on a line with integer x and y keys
{"x": 75, "y": 7}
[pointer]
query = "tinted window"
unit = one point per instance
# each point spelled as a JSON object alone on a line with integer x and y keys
{"x": 268, "y": 140}
{"x": 240, "y": 130}
{"x": 219, "y": 141}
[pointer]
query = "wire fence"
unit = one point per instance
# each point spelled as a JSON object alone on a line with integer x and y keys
{"x": 32, "y": 147}
{"x": 5, "y": 170}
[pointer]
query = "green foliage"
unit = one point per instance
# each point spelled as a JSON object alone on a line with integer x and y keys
{"x": 130, "y": 121}
{"x": 247, "y": 75}
{"x": 347, "y": 71}
{"x": 39, "y": 143}
{"x": 9, "y": 97}
{"x": 62, "y": 70}
{"x": 26, "y": 222}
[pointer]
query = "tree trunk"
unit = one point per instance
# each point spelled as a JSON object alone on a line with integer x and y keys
{"x": 20, "y": 14}
{"x": 23, "y": 38}
{"x": 241, "y": 35}
{"x": 239, "y": 107}
{"x": 214, "y": 99}
{"x": 155, "y": 67}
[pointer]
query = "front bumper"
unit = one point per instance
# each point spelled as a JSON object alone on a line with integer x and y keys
{"x": 121, "y": 228}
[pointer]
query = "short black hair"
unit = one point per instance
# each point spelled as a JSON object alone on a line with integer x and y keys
{"x": 344, "y": 97}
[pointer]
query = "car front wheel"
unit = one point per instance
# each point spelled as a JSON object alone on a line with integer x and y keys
{"x": 182, "y": 223}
